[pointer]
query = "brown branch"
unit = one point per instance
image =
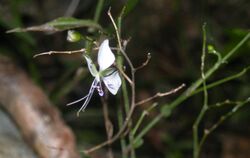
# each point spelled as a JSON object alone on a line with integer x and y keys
{"x": 67, "y": 52}
{"x": 108, "y": 125}
{"x": 160, "y": 95}
{"x": 144, "y": 63}
{"x": 39, "y": 121}
{"x": 60, "y": 52}
{"x": 124, "y": 75}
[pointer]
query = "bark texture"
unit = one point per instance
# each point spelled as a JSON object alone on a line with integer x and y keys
{"x": 39, "y": 121}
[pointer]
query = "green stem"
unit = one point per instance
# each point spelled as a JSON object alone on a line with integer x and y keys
{"x": 196, "y": 149}
{"x": 122, "y": 140}
{"x": 98, "y": 10}
{"x": 185, "y": 95}
{"x": 144, "y": 113}
{"x": 120, "y": 61}
{"x": 150, "y": 125}
{"x": 221, "y": 120}
{"x": 224, "y": 80}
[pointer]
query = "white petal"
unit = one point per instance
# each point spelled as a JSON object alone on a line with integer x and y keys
{"x": 112, "y": 82}
{"x": 105, "y": 56}
{"x": 91, "y": 66}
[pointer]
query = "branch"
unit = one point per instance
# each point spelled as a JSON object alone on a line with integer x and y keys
{"x": 160, "y": 95}
{"x": 207, "y": 132}
{"x": 108, "y": 125}
{"x": 196, "y": 147}
{"x": 67, "y": 52}
{"x": 60, "y": 52}
{"x": 187, "y": 93}
{"x": 124, "y": 75}
{"x": 145, "y": 63}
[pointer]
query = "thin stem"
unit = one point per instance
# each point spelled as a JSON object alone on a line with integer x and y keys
{"x": 131, "y": 140}
{"x": 132, "y": 106}
{"x": 221, "y": 120}
{"x": 144, "y": 113}
{"x": 126, "y": 102}
{"x": 124, "y": 86}
{"x": 224, "y": 80}
{"x": 196, "y": 148}
{"x": 124, "y": 89}
{"x": 185, "y": 95}
{"x": 196, "y": 84}
{"x": 60, "y": 52}
{"x": 149, "y": 126}
{"x": 98, "y": 10}
{"x": 122, "y": 140}
{"x": 108, "y": 125}
{"x": 119, "y": 43}
{"x": 224, "y": 103}
{"x": 132, "y": 84}
{"x": 174, "y": 104}
{"x": 160, "y": 95}
{"x": 144, "y": 63}
{"x": 83, "y": 50}
{"x": 124, "y": 75}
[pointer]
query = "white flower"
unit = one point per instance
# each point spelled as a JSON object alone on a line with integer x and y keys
{"x": 106, "y": 73}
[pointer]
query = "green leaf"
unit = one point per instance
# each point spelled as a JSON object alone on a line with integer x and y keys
{"x": 129, "y": 6}
{"x": 166, "y": 110}
{"x": 59, "y": 24}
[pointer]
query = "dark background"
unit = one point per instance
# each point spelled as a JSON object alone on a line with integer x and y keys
{"x": 172, "y": 32}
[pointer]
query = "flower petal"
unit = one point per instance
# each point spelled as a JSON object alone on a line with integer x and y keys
{"x": 105, "y": 56}
{"x": 91, "y": 66}
{"x": 112, "y": 82}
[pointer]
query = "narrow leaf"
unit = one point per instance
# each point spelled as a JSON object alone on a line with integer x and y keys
{"x": 59, "y": 24}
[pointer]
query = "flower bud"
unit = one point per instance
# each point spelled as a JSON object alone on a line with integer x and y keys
{"x": 73, "y": 36}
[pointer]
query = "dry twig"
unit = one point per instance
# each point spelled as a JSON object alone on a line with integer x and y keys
{"x": 144, "y": 63}
{"x": 159, "y": 94}
{"x": 67, "y": 52}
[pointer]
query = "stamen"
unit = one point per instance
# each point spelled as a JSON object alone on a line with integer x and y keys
{"x": 77, "y": 100}
{"x": 91, "y": 91}
{"x": 87, "y": 98}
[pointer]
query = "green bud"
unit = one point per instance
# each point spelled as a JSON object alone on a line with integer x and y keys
{"x": 73, "y": 36}
{"x": 211, "y": 49}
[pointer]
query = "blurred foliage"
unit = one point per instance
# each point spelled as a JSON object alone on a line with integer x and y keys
{"x": 171, "y": 31}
